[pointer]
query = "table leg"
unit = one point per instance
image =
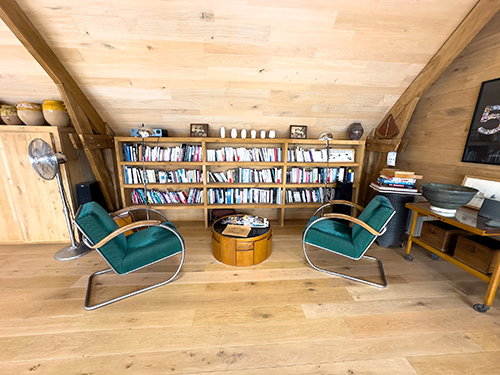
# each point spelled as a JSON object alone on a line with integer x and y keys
{"x": 408, "y": 257}
{"x": 492, "y": 290}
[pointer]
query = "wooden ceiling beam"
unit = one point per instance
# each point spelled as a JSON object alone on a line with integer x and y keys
{"x": 479, "y": 16}
{"x": 23, "y": 29}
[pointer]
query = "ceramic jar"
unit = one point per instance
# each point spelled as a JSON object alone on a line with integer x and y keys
{"x": 253, "y": 133}
{"x": 55, "y": 113}
{"x": 9, "y": 115}
{"x": 272, "y": 134}
{"x": 234, "y": 133}
{"x": 355, "y": 131}
{"x": 30, "y": 113}
{"x": 223, "y": 132}
{"x": 243, "y": 133}
{"x": 263, "y": 134}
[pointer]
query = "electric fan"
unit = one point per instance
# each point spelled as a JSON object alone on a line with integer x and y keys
{"x": 46, "y": 162}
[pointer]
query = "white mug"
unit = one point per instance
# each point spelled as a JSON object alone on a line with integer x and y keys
{"x": 234, "y": 133}
{"x": 222, "y": 132}
{"x": 253, "y": 133}
{"x": 243, "y": 133}
{"x": 263, "y": 134}
{"x": 272, "y": 134}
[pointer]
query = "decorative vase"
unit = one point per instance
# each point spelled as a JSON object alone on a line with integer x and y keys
{"x": 243, "y": 133}
{"x": 234, "y": 133}
{"x": 272, "y": 134}
{"x": 253, "y": 133}
{"x": 55, "y": 113}
{"x": 263, "y": 134}
{"x": 30, "y": 113}
{"x": 222, "y": 132}
{"x": 9, "y": 115}
{"x": 355, "y": 131}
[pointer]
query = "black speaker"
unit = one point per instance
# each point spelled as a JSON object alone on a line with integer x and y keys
{"x": 90, "y": 192}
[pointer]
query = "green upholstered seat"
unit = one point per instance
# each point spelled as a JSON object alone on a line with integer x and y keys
{"x": 340, "y": 238}
{"x": 126, "y": 254}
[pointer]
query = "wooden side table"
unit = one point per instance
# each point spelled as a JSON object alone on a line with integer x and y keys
{"x": 238, "y": 251}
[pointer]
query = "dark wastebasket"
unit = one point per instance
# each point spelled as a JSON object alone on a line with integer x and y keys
{"x": 394, "y": 235}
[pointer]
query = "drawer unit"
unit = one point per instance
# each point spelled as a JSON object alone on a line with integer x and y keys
{"x": 440, "y": 235}
{"x": 478, "y": 252}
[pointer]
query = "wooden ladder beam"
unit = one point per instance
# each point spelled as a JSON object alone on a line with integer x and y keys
{"x": 83, "y": 115}
{"x": 403, "y": 109}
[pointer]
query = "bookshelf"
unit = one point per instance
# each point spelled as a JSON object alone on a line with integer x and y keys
{"x": 235, "y": 173}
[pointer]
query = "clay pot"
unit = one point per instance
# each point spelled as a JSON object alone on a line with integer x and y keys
{"x": 355, "y": 131}
{"x": 55, "y": 113}
{"x": 9, "y": 115}
{"x": 30, "y": 113}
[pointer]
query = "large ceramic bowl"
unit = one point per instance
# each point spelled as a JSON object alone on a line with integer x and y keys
{"x": 446, "y": 198}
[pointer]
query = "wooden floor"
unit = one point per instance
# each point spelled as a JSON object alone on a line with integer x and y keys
{"x": 280, "y": 317}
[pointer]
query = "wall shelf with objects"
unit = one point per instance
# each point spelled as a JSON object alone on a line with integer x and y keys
{"x": 200, "y": 173}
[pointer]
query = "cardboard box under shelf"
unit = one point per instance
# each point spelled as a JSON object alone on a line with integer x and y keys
{"x": 478, "y": 252}
{"x": 440, "y": 235}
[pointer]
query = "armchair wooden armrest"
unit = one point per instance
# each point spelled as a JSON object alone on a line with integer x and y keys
{"x": 137, "y": 208}
{"x": 138, "y": 224}
{"x": 349, "y": 203}
{"x": 355, "y": 221}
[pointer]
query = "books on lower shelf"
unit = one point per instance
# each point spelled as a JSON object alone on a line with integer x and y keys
{"x": 314, "y": 195}
{"x": 134, "y": 175}
{"x": 231, "y": 154}
{"x": 244, "y": 196}
{"x": 155, "y": 196}
{"x": 246, "y": 175}
{"x": 318, "y": 175}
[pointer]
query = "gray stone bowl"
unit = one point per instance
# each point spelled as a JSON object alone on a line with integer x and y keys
{"x": 447, "y": 196}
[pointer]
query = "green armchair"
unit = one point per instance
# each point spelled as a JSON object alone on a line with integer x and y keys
{"x": 325, "y": 232}
{"x": 126, "y": 254}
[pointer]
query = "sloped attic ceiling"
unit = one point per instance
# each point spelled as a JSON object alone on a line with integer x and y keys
{"x": 255, "y": 64}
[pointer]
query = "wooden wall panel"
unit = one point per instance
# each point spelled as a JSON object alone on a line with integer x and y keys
{"x": 440, "y": 124}
{"x": 244, "y": 64}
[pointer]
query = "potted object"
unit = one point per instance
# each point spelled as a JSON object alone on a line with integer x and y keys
{"x": 55, "y": 113}
{"x": 9, "y": 115}
{"x": 446, "y": 198}
{"x": 355, "y": 131}
{"x": 30, "y": 113}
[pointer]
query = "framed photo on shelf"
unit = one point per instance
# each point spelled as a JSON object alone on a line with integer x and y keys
{"x": 199, "y": 130}
{"x": 483, "y": 141}
{"x": 298, "y": 131}
{"x": 488, "y": 188}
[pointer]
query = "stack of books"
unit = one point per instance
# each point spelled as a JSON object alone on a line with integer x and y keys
{"x": 396, "y": 181}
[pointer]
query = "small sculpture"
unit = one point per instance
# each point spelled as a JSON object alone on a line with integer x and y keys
{"x": 355, "y": 131}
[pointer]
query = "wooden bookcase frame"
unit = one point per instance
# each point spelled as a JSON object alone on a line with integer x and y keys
{"x": 211, "y": 143}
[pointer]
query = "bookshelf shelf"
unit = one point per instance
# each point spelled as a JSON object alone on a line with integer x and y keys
{"x": 213, "y": 193}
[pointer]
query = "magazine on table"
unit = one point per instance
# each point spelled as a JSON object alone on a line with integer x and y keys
{"x": 247, "y": 220}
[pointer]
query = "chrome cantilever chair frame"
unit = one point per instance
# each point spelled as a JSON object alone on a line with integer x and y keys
{"x": 138, "y": 224}
{"x": 346, "y": 217}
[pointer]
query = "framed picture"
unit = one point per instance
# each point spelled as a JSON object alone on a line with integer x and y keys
{"x": 199, "y": 130}
{"x": 488, "y": 188}
{"x": 483, "y": 141}
{"x": 298, "y": 131}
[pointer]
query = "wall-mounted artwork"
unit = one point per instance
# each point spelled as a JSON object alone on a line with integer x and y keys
{"x": 483, "y": 142}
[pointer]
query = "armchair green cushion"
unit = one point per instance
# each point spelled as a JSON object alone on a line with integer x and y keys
{"x": 340, "y": 238}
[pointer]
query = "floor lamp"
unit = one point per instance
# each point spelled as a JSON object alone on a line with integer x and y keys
{"x": 144, "y": 132}
{"x": 326, "y": 137}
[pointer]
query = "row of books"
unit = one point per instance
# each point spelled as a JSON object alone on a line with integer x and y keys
{"x": 319, "y": 175}
{"x": 155, "y": 196}
{"x": 244, "y": 154}
{"x": 311, "y": 155}
{"x": 135, "y": 175}
{"x": 314, "y": 195}
{"x": 242, "y": 196}
{"x": 184, "y": 152}
{"x": 246, "y": 175}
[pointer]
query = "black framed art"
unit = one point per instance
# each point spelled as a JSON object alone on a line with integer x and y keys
{"x": 483, "y": 141}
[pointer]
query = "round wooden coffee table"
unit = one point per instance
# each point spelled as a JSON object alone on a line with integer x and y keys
{"x": 238, "y": 251}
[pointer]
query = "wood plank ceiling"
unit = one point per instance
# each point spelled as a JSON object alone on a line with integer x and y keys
{"x": 246, "y": 64}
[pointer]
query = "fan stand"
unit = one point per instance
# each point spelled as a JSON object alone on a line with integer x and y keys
{"x": 76, "y": 250}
